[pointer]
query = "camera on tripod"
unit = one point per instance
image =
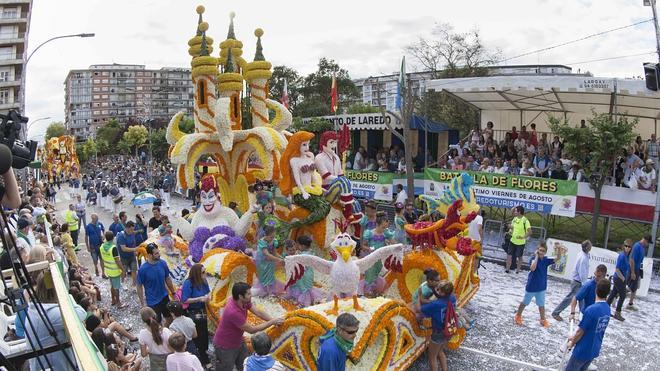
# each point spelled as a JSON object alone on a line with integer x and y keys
{"x": 22, "y": 152}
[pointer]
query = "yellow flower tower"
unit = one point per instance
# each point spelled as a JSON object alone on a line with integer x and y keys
{"x": 204, "y": 77}
{"x": 257, "y": 74}
{"x": 230, "y": 81}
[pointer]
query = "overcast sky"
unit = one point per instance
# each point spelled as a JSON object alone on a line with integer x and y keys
{"x": 364, "y": 37}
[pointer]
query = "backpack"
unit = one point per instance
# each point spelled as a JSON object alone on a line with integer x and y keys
{"x": 451, "y": 321}
{"x": 177, "y": 296}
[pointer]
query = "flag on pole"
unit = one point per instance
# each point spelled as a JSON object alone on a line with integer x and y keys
{"x": 285, "y": 95}
{"x": 402, "y": 84}
{"x": 333, "y": 95}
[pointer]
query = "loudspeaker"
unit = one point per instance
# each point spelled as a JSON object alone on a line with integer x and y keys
{"x": 652, "y": 76}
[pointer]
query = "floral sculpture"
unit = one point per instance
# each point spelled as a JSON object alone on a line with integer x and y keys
{"x": 60, "y": 158}
{"x": 345, "y": 270}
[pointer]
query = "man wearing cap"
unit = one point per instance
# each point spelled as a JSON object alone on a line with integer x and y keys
{"x": 646, "y": 177}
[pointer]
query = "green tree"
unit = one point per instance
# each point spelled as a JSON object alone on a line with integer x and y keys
{"x": 80, "y": 151}
{"x": 123, "y": 146}
{"x": 89, "y": 148}
{"x": 187, "y": 125}
{"x": 55, "y": 129}
{"x": 159, "y": 145}
{"x": 596, "y": 147}
{"x": 107, "y": 135}
{"x": 316, "y": 90}
{"x": 357, "y": 108}
{"x": 315, "y": 125}
{"x": 294, "y": 83}
{"x": 136, "y": 136}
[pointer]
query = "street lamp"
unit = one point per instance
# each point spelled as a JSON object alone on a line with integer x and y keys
{"x": 55, "y": 38}
{"x": 35, "y": 121}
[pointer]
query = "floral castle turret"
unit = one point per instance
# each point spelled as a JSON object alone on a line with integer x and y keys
{"x": 204, "y": 77}
{"x": 230, "y": 81}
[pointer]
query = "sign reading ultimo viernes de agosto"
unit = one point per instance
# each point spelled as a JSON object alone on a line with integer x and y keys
{"x": 547, "y": 196}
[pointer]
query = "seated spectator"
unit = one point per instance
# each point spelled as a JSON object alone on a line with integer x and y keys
{"x": 513, "y": 168}
{"x": 470, "y": 164}
{"x": 542, "y": 163}
{"x": 458, "y": 164}
{"x": 486, "y": 166}
{"x": 646, "y": 177}
{"x": 373, "y": 166}
{"x": 527, "y": 169}
{"x": 499, "y": 166}
{"x": 575, "y": 173}
{"x": 182, "y": 360}
{"x": 261, "y": 359}
{"x": 558, "y": 171}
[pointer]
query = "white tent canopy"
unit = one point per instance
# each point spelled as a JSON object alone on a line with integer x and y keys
{"x": 517, "y": 100}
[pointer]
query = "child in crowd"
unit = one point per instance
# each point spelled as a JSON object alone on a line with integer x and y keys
{"x": 368, "y": 221}
{"x": 425, "y": 291}
{"x": 261, "y": 359}
{"x": 165, "y": 232}
{"x": 437, "y": 310}
{"x": 399, "y": 223}
{"x": 183, "y": 324}
{"x": 67, "y": 243}
{"x": 289, "y": 248}
{"x": 537, "y": 282}
{"x": 374, "y": 239}
{"x": 266, "y": 260}
{"x": 303, "y": 291}
{"x": 181, "y": 359}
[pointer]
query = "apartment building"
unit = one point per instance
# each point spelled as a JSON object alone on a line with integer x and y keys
{"x": 127, "y": 93}
{"x": 14, "y": 27}
{"x": 386, "y": 85}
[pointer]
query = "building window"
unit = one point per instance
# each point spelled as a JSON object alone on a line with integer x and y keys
{"x": 4, "y": 76}
{"x": 4, "y": 96}
{"x": 9, "y": 13}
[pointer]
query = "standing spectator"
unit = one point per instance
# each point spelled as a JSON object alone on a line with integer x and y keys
{"x": 80, "y": 211}
{"x": 337, "y": 343}
{"x": 520, "y": 231}
{"x": 580, "y": 276}
{"x": 127, "y": 246}
{"x": 230, "y": 350}
{"x": 116, "y": 225}
{"x": 620, "y": 276}
{"x": 140, "y": 229}
{"x": 93, "y": 240}
{"x": 488, "y": 131}
{"x": 636, "y": 274}
{"x": 153, "y": 281}
{"x": 556, "y": 147}
{"x": 587, "y": 294}
{"x": 401, "y": 195}
{"x": 653, "y": 149}
{"x": 513, "y": 134}
{"x": 154, "y": 340}
{"x": 113, "y": 269}
{"x": 195, "y": 293}
{"x": 537, "y": 282}
{"x": 533, "y": 135}
{"x": 410, "y": 215}
{"x": 71, "y": 218}
{"x": 181, "y": 360}
{"x": 589, "y": 335}
{"x": 261, "y": 359}
{"x": 168, "y": 186}
{"x": 155, "y": 222}
{"x": 639, "y": 147}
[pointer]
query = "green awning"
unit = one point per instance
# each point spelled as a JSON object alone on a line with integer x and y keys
{"x": 35, "y": 164}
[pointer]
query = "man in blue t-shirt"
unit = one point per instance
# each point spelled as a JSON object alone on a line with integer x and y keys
{"x": 537, "y": 282}
{"x": 153, "y": 281}
{"x": 621, "y": 274}
{"x": 589, "y": 336}
{"x": 636, "y": 274}
{"x": 116, "y": 226}
{"x": 587, "y": 293}
{"x": 127, "y": 244}
{"x": 93, "y": 240}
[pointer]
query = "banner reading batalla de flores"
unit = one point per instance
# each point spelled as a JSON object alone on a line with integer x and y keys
{"x": 547, "y": 196}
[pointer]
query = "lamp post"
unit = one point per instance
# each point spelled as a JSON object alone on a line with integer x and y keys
{"x": 34, "y": 122}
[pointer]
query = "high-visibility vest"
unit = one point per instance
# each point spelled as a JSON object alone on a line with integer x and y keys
{"x": 70, "y": 220}
{"x": 109, "y": 264}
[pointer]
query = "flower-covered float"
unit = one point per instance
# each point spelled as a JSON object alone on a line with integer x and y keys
{"x": 59, "y": 158}
{"x": 319, "y": 201}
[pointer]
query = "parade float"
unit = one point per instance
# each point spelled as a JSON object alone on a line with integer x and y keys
{"x": 321, "y": 206}
{"x": 59, "y": 158}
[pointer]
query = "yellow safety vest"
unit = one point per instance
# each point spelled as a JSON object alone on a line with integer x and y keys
{"x": 70, "y": 220}
{"x": 519, "y": 226}
{"x": 109, "y": 264}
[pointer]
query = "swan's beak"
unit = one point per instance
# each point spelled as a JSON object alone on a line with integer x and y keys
{"x": 345, "y": 252}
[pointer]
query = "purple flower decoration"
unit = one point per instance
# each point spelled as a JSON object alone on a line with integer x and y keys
{"x": 224, "y": 229}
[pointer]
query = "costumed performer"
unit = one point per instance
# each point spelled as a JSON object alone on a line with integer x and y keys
{"x": 303, "y": 291}
{"x": 372, "y": 240}
{"x": 266, "y": 261}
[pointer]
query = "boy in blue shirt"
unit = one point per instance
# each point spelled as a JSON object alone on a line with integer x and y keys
{"x": 620, "y": 276}
{"x": 587, "y": 293}
{"x": 589, "y": 336}
{"x": 537, "y": 282}
{"x": 636, "y": 257}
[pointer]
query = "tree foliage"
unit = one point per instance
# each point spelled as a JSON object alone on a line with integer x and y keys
{"x": 316, "y": 90}
{"x": 89, "y": 148}
{"x": 107, "y": 136}
{"x": 452, "y": 54}
{"x": 80, "y": 151}
{"x": 159, "y": 145}
{"x": 55, "y": 129}
{"x": 357, "y": 108}
{"x": 136, "y": 136}
{"x": 294, "y": 84}
{"x": 187, "y": 125}
{"x": 596, "y": 147}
